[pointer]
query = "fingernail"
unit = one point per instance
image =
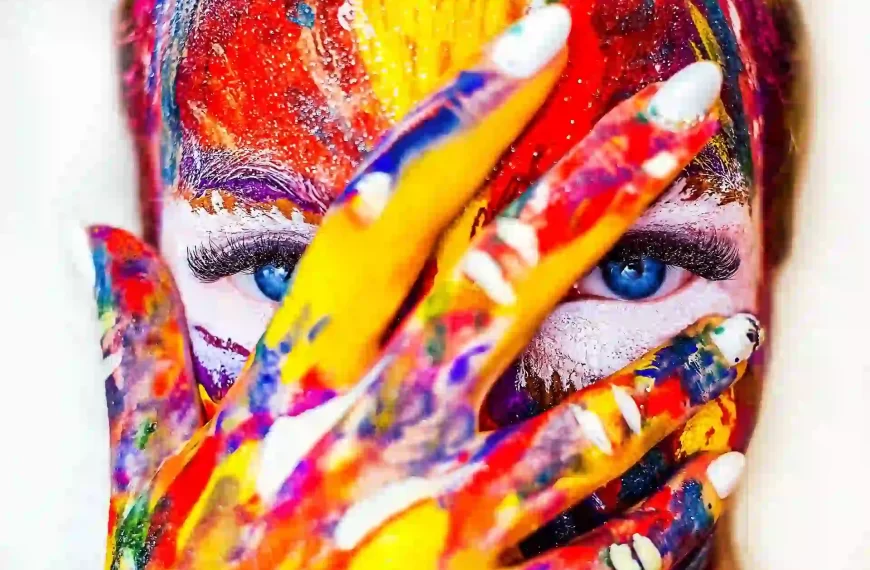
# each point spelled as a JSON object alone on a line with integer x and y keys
{"x": 724, "y": 472}
{"x": 529, "y": 45}
{"x": 687, "y": 96}
{"x": 649, "y": 556}
{"x": 738, "y": 337}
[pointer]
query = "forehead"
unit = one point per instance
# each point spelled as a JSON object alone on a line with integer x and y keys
{"x": 311, "y": 85}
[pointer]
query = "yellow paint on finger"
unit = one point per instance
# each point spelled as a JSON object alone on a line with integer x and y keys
{"x": 710, "y": 429}
{"x": 415, "y": 539}
{"x": 237, "y": 467}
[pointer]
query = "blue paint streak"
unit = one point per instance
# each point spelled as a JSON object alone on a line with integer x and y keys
{"x": 318, "y": 328}
{"x": 461, "y": 366}
{"x": 434, "y": 121}
{"x": 304, "y": 16}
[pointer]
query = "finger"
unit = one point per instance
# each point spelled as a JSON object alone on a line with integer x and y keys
{"x": 709, "y": 430}
{"x": 150, "y": 389}
{"x": 412, "y": 413}
{"x": 377, "y": 235}
{"x": 526, "y": 475}
{"x": 440, "y": 362}
{"x": 662, "y": 530}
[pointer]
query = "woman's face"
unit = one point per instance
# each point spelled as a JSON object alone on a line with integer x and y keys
{"x": 268, "y": 105}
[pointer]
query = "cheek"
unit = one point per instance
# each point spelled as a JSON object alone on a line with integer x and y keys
{"x": 224, "y": 324}
{"x": 224, "y": 327}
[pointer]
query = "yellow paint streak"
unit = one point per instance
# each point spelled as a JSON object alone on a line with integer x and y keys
{"x": 411, "y": 47}
{"x": 457, "y": 237}
{"x": 708, "y": 430}
{"x": 415, "y": 539}
{"x": 239, "y": 466}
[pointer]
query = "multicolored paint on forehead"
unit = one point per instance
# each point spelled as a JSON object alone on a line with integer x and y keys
{"x": 274, "y": 103}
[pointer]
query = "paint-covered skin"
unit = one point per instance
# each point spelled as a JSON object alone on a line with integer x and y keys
{"x": 662, "y": 529}
{"x": 151, "y": 396}
{"x": 303, "y": 468}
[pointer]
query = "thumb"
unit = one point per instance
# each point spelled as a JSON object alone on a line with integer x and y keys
{"x": 151, "y": 392}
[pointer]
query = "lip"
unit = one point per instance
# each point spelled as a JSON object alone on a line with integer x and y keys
{"x": 218, "y": 372}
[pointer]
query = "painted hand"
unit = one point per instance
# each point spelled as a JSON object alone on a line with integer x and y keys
{"x": 352, "y": 442}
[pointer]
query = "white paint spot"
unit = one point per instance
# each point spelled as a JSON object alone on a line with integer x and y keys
{"x": 661, "y": 165}
{"x": 291, "y": 438}
{"x": 483, "y": 270}
{"x": 370, "y": 513}
{"x": 520, "y": 236}
{"x": 540, "y": 197}
{"x": 592, "y": 429}
{"x": 367, "y": 515}
{"x": 217, "y": 201}
{"x": 345, "y": 15}
{"x": 628, "y": 407}
{"x": 374, "y": 191}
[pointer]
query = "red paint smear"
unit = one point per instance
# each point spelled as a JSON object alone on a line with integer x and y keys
{"x": 279, "y": 102}
{"x": 180, "y": 499}
{"x": 666, "y": 398}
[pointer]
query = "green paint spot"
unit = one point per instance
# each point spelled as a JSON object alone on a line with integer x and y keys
{"x": 131, "y": 537}
{"x": 436, "y": 346}
{"x": 145, "y": 431}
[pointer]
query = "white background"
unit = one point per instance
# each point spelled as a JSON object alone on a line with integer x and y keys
{"x": 65, "y": 161}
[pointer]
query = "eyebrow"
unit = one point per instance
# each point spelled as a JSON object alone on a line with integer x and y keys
{"x": 250, "y": 176}
{"x": 710, "y": 255}
{"x": 709, "y": 174}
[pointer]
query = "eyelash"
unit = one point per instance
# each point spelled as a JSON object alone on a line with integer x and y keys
{"x": 244, "y": 254}
{"x": 709, "y": 256}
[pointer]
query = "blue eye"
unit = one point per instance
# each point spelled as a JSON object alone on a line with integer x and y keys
{"x": 635, "y": 278}
{"x": 272, "y": 280}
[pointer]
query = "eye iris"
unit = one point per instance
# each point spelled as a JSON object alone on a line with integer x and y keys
{"x": 635, "y": 278}
{"x": 272, "y": 280}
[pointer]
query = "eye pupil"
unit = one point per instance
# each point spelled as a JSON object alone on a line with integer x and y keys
{"x": 272, "y": 280}
{"x": 633, "y": 279}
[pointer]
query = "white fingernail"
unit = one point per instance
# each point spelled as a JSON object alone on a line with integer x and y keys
{"x": 737, "y": 338}
{"x": 724, "y": 472}
{"x": 374, "y": 190}
{"x": 528, "y": 45}
{"x": 621, "y": 557}
{"x": 687, "y": 96}
{"x": 649, "y": 556}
